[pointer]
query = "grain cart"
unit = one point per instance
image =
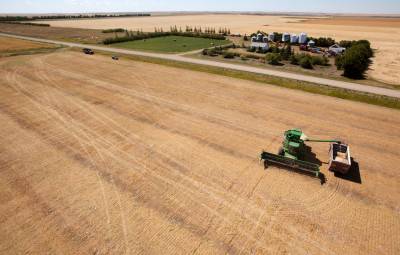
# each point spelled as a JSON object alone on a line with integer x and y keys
{"x": 293, "y": 151}
{"x": 339, "y": 158}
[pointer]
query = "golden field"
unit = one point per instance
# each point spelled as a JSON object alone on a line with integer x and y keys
{"x": 106, "y": 157}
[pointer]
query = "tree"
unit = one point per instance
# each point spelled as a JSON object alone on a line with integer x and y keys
{"x": 245, "y": 37}
{"x": 355, "y": 61}
{"x": 286, "y": 52}
{"x": 273, "y": 58}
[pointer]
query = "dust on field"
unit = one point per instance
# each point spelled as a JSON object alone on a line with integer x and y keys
{"x": 106, "y": 157}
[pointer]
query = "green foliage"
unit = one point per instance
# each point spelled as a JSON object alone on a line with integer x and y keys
{"x": 356, "y": 60}
{"x": 305, "y": 61}
{"x": 228, "y": 54}
{"x": 294, "y": 60}
{"x": 323, "y": 42}
{"x": 114, "y": 30}
{"x": 252, "y": 56}
{"x": 273, "y": 58}
{"x": 318, "y": 60}
{"x": 286, "y": 52}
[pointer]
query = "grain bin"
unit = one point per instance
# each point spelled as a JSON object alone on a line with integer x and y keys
{"x": 285, "y": 37}
{"x": 260, "y": 37}
{"x": 294, "y": 38}
{"x": 271, "y": 37}
{"x": 303, "y": 38}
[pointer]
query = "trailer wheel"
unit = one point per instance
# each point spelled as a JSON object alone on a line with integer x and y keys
{"x": 265, "y": 164}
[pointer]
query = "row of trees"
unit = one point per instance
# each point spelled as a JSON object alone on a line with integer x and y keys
{"x": 28, "y": 18}
{"x": 114, "y": 30}
{"x": 26, "y": 23}
{"x": 206, "y": 30}
{"x": 356, "y": 59}
{"x": 140, "y": 35}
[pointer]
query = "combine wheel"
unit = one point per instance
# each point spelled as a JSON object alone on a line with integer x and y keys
{"x": 281, "y": 152}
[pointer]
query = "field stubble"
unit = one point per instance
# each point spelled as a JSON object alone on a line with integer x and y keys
{"x": 131, "y": 157}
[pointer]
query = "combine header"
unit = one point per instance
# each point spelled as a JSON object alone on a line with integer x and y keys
{"x": 292, "y": 154}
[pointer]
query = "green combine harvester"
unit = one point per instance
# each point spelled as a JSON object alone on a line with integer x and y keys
{"x": 293, "y": 153}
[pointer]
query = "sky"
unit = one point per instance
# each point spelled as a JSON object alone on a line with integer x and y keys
{"x": 76, "y": 6}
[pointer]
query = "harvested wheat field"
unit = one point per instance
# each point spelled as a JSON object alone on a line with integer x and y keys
{"x": 384, "y": 33}
{"x": 10, "y": 44}
{"x": 103, "y": 157}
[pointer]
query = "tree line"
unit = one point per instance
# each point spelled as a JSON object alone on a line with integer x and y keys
{"x": 134, "y": 36}
{"x": 80, "y": 16}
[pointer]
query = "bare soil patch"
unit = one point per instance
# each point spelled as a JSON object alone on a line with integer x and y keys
{"x": 98, "y": 156}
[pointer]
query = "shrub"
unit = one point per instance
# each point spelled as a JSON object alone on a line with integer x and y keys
{"x": 286, "y": 52}
{"x": 273, "y": 58}
{"x": 253, "y": 56}
{"x": 228, "y": 54}
{"x": 251, "y": 49}
{"x": 318, "y": 60}
{"x": 294, "y": 60}
{"x": 306, "y": 61}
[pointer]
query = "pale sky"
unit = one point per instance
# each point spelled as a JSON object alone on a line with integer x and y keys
{"x": 326, "y": 6}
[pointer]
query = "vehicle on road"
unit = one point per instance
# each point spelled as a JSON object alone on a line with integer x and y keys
{"x": 88, "y": 51}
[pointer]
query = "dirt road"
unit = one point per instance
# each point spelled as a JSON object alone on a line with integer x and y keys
{"x": 104, "y": 157}
{"x": 300, "y": 77}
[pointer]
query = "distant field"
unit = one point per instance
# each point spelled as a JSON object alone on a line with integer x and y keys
{"x": 9, "y": 45}
{"x": 384, "y": 33}
{"x": 170, "y": 44}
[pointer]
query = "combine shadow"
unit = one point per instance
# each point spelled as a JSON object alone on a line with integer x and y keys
{"x": 310, "y": 156}
{"x": 353, "y": 175}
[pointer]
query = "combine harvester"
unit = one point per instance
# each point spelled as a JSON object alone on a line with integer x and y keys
{"x": 292, "y": 154}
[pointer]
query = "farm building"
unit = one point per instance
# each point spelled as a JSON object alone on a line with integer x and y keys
{"x": 311, "y": 43}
